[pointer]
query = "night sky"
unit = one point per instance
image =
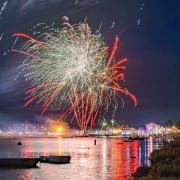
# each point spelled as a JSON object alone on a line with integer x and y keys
{"x": 149, "y": 32}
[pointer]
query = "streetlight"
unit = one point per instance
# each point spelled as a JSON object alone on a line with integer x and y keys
{"x": 112, "y": 122}
{"x": 104, "y": 124}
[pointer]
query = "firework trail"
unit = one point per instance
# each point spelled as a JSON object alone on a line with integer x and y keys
{"x": 76, "y": 2}
{"x": 113, "y": 24}
{"x": 71, "y": 69}
{"x": 3, "y": 7}
{"x": 1, "y": 36}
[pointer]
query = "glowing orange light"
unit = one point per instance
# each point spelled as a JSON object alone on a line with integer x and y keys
{"x": 59, "y": 129}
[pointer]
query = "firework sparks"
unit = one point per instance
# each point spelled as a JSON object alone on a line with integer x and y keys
{"x": 70, "y": 68}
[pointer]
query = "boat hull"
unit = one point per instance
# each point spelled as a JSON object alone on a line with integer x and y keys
{"x": 19, "y": 162}
{"x": 55, "y": 159}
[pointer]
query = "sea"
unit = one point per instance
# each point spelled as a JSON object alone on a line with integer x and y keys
{"x": 110, "y": 159}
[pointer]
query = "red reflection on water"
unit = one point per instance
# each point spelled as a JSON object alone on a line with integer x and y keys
{"x": 123, "y": 159}
{"x": 110, "y": 159}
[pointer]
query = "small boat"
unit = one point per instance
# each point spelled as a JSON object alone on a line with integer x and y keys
{"x": 19, "y": 143}
{"x": 55, "y": 159}
{"x": 139, "y": 138}
{"x": 19, "y": 162}
{"x": 128, "y": 140}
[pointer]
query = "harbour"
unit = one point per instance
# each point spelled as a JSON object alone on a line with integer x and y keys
{"x": 110, "y": 158}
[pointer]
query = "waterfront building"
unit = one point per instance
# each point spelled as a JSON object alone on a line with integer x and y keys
{"x": 174, "y": 130}
{"x": 152, "y": 128}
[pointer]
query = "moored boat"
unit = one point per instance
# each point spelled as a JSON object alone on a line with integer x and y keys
{"x": 128, "y": 140}
{"x": 19, "y": 162}
{"x": 138, "y": 138}
{"x": 55, "y": 159}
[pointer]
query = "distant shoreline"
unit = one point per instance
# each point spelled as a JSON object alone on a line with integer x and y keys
{"x": 82, "y": 136}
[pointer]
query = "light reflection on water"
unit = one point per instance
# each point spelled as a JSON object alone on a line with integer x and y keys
{"x": 110, "y": 159}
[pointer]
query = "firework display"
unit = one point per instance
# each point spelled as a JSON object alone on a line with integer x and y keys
{"x": 72, "y": 70}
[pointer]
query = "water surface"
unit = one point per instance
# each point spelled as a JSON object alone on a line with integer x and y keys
{"x": 110, "y": 159}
